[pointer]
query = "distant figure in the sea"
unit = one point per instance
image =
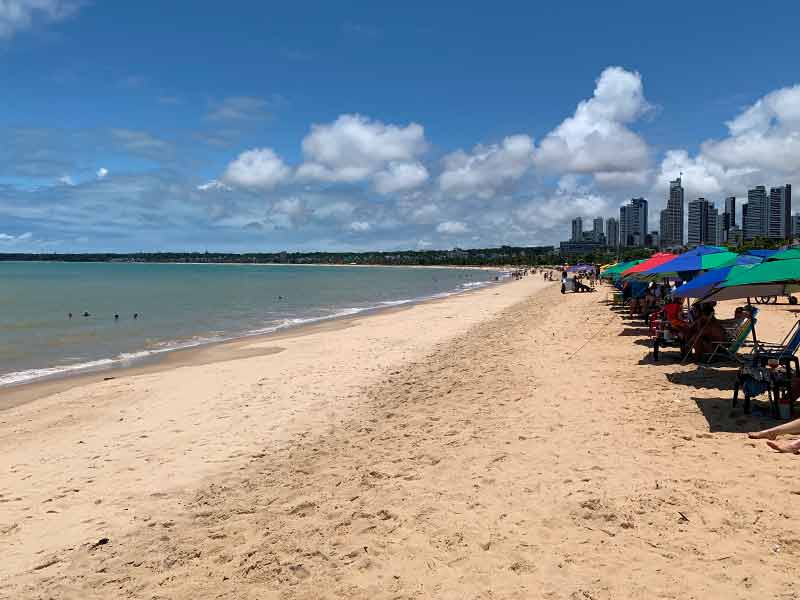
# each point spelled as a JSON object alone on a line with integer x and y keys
{"x": 70, "y": 315}
{"x": 86, "y": 314}
{"x": 135, "y": 316}
{"x": 771, "y": 435}
{"x": 116, "y": 317}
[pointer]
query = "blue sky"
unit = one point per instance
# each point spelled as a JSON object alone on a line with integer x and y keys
{"x": 269, "y": 126}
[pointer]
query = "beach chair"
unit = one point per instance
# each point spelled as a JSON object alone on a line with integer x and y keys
{"x": 730, "y": 348}
{"x": 784, "y": 352}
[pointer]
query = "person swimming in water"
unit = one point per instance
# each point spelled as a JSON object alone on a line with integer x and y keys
{"x": 86, "y": 314}
{"x": 116, "y": 317}
{"x": 135, "y": 315}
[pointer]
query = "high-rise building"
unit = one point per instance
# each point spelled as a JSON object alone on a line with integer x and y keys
{"x": 704, "y": 223}
{"x": 744, "y": 219}
{"x": 577, "y": 229}
{"x": 612, "y": 232}
{"x": 714, "y": 229}
{"x": 757, "y": 222}
{"x": 796, "y": 225}
{"x": 633, "y": 223}
{"x": 728, "y": 218}
{"x": 597, "y": 230}
{"x": 672, "y": 216}
{"x": 779, "y": 212}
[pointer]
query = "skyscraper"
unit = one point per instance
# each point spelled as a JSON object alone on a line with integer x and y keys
{"x": 704, "y": 223}
{"x": 714, "y": 229}
{"x": 757, "y": 222}
{"x": 577, "y": 229}
{"x": 730, "y": 210}
{"x": 597, "y": 230}
{"x": 672, "y": 216}
{"x": 633, "y": 223}
{"x": 728, "y": 218}
{"x": 779, "y": 212}
{"x": 612, "y": 232}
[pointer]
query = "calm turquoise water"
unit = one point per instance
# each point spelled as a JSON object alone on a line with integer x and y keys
{"x": 181, "y": 306}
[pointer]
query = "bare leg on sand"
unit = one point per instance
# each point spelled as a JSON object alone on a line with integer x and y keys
{"x": 792, "y": 447}
{"x": 774, "y": 432}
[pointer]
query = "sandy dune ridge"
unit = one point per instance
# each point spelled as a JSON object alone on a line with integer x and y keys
{"x": 530, "y": 449}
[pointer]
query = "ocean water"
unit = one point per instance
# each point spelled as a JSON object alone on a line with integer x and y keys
{"x": 181, "y": 306}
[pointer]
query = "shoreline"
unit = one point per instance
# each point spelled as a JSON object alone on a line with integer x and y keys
{"x": 149, "y": 360}
{"x": 16, "y": 394}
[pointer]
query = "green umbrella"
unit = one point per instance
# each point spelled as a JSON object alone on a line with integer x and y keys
{"x": 787, "y": 254}
{"x": 775, "y": 278}
{"x": 618, "y": 268}
{"x": 684, "y": 265}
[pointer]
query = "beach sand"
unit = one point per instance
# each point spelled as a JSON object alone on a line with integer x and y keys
{"x": 508, "y": 443}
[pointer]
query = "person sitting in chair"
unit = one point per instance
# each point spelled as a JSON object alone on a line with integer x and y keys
{"x": 708, "y": 331}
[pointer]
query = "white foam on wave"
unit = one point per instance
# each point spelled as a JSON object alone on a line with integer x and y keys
{"x": 128, "y": 358}
{"x": 31, "y": 374}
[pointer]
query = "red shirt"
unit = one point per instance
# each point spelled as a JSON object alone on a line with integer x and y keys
{"x": 672, "y": 311}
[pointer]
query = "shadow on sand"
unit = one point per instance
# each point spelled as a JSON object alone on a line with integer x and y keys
{"x": 723, "y": 418}
{"x": 634, "y": 331}
{"x": 705, "y": 378}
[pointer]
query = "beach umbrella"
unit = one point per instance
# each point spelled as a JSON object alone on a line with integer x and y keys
{"x": 705, "y": 282}
{"x": 771, "y": 278}
{"x": 659, "y": 258}
{"x": 617, "y": 269}
{"x": 701, "y": 258}
{"x": 762, "y": 253}
{"x": 786, "y": 254}
{"x": 701, "y": 285}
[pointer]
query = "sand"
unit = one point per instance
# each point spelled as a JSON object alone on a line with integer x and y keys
{"x": 509, "y": 443}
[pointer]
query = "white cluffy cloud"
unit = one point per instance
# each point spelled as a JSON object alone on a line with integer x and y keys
{"x": 258, "y": 168}
{"x": 102, "y": 173}
{"x": 212, "y": 185}
{"x": 19, "y": 15}
{"x": 553, "y": 211}
{"x": 66, "y": 180}
{"x": 452, "y": 228}
{"x": 288, "y": 213}
{"x": 486, "y": 169}
{"x": 359, "y": 226}
{"x": 596, "y": 139}
{"x": 399, "y": 177}
{"x": 355, "y": 148}
{"x": 8, "y": 239}
{"x": 762, "y": 147}
{"x": 764, "y": 136}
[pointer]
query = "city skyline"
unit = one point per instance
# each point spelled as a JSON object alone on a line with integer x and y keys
{"x": 763, "y": 215}
{"x": 374, "y": 126}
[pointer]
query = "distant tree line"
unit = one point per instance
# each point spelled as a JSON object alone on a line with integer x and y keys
{"x": 505, "y": 255}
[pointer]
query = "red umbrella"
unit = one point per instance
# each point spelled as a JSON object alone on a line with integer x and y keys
{"x": 658, "y": 259}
